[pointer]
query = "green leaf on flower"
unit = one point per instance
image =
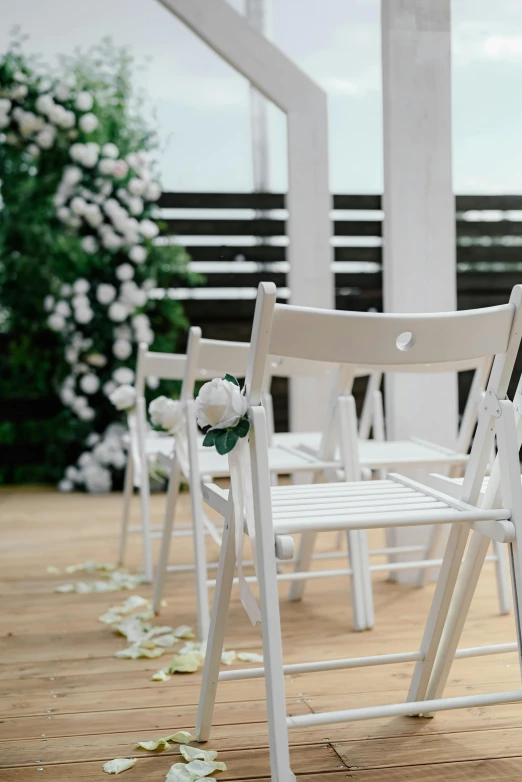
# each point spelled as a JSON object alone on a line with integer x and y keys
{"x": 210, "y": 438}
{"x": 226, "y": 440}
{"x": 231, "y": 379}
{"x": 242, "y": 427}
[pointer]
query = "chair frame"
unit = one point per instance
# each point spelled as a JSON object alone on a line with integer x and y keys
{"x": 297, "y": 332}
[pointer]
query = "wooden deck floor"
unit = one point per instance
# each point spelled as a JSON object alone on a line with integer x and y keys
{"x": 68, "y": 704}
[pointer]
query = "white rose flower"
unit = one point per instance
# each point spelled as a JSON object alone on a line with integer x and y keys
{"x": 152, "y": 382}
{"x": 19, "y": 92}
{"x": 110, "y": 150}
{"x": 56, "y": 322}
{"x": 172, "y": 415}
{"x": 117, "y": 312}
{"x": 93, "y": 215}
{"x": 67, "y": 119}
{"x": 136, "y": 205}
{"x": 44, "y": 104}
{"x": 62, "y": 91}
{"x": 137, "y": 254}
{"x": 81, "y": 286}
{"x": 148, "y": 284}
{"x": 83, "y": 315}
{"x": 33, "y": 150}
{"x": 48, "y": 303}
{"x": 148, "y": 229}
{"x": 65, "y": 485}
{"x": 131, "y": 295}
{"x": 91, "y": 441}
{"x": 133, "y": 160}
{"x": 153, "y": 191}
{"x": 11, "y": 139}
{"x": 4, "y": 121}
{"x": 106, "y": 166}
{"x": 62, "y": 308}
{"x": 72, "y": 175}
{"x": 123, "y": 375}
{"x": 90, "y": 245}
{"x": 124, "y": 272}
{"x": 97, "y": 479}
{"x": 45, "y": 138}
{"x": 111, "y": 206}
{"x": 123, "y": 398}
{"x": 109, "y": 387}
{"x": 122, "y": 349}
{"x": 122, "y": 332}
{"x": 5, "y": 105}
{"x": 29, "y": 123}
{"x": 89, "y": 383}
{"x": 80, "y": 302}
{"x": 88, "y": 123}
{"x": 86, "y": 414}
{"x": 90, "y": 155}
{"x": 73, "y": 474}
{"x": 76, "y": 152}
{"x": 121, "y": 169}
{"x": 78, "y": 205}
{"x": 63, "y": 214}
{"x": 111, "y": 240}
{"x": 136, "y": 186}
{"x": 84, "y": 101}
{"x": 71, "y": 355}
{"x": 67, "y": 396}
{"x": 156, "y": 410}
{"x": 66, "y": 289}
{"x": 105, "y": 293}
{"x": 220, "y": 404}
{"x": 85, "y": 459}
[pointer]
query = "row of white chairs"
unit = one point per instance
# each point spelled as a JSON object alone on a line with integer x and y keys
{"x": 484, "y": 510}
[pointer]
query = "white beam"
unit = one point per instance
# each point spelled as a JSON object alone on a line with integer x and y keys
{"x": 257, "y": 13}
{"x": 309, "y": 227}
{"x": 419, "y": 226}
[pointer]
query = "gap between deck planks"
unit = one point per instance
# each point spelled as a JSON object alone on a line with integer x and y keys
{"x": 59, "y": 677}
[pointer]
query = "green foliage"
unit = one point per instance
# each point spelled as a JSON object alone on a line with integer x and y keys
{"x": 39, "y": 437}
{"x": 224, "y": 440}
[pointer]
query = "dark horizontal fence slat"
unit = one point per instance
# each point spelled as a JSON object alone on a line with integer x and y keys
{"x": 357, "y": 228}
{"x": 489, "y": 228}
{"x": 256, "y": 227}
{"x": 264, "y": 252}
{"x": 262, "y": 201}
{"x": 363, "y": 202}
{"x": 243, "y": 279}
{"x": 492, "y": 254}
{"x": 468, "y": 203}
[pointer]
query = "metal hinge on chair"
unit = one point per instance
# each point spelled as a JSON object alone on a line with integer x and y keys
{"x": 492, "y": 404}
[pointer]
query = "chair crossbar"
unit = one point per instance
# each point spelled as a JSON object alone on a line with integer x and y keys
{"x": 412, "y": 708}
{"x": 381, "y": 520}
{"x": 363, "y": 662}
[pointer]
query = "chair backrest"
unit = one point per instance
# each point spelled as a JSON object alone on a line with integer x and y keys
{"x": 398, "y": 342}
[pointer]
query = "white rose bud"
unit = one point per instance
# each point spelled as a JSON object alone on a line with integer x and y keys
{"x": 88, "y": 123}
{"x": 123, "y": 398}
{"x": 45, "y": 138}
{"x": 89, "y": 383}
{"x": 105, "y": 293}
{"x": 153, "y": 191}
{"x": 56, "y": 322}
{"x": 106, "y": 166}
{"x": 83, "y": 315}
{"x": 148, "y": 229}
{"x": 138, "y": 254}
{"x": 48, "y": 303}
{"x": 122, "y": 349}
{"x": 117, "y": 312}
{"x": 90, "y": 245}
{"x": 63, "y": 308}
{"x": 81, "y": 286}
{"x": 136, "y": 186}
{"x": 123, "y": 375}
{"x": 5, "y": 105}
{"x": 110, "y": 150}
{"x": 84, "y": 101}
{"x": 124, "y": 272}
{"x": 120, "y": 169}
{"x": 220, "y": 404}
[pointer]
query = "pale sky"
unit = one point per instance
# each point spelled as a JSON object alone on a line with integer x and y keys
{"x": 202, "y": 104}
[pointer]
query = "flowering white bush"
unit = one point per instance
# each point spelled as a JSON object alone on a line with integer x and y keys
{"x": 74, "y": 146}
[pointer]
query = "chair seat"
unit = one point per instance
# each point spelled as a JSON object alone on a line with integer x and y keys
{"x": 282, "y": 461}
{"x": 377, "y": 454}
{"x": 396, "y": 501}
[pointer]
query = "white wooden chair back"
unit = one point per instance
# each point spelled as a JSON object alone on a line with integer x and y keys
{"x": 435, "y": 341}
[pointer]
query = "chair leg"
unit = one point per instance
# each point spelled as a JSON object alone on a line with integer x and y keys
{"x": 273, "y": 659}
{"x": 502, "y": 574}
{"x": 358, "y": 586}
{"x": 145, "y": 523}
{"x": 200, "y": 560}
{"x": 216, "y": 635}
{"x": 170, "y": 510}
{"x": 366, "y": 579}
{"x": 128, "y": 486}
{"x": 304, "y": 558}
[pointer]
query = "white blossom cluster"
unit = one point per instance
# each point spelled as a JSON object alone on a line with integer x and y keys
{"x": 93, "y": 468}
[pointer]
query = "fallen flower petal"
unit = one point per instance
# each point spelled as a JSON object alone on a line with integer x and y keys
{"x": 227, "y": 658}
{"x": 161, "y": 676}
{"x": 65, "y": 588}
{"x": 194, "y": 753}
{"x": 53, "y": 570}
{"x": 184, "y": 631}
{"x": 185, "y": 663}
{"x": 250, "y": 657}
{"x": 118, "y": 765}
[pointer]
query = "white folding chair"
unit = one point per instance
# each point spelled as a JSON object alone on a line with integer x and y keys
{"x": 214, "y": 358}
{"x": 371, "y": 339}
